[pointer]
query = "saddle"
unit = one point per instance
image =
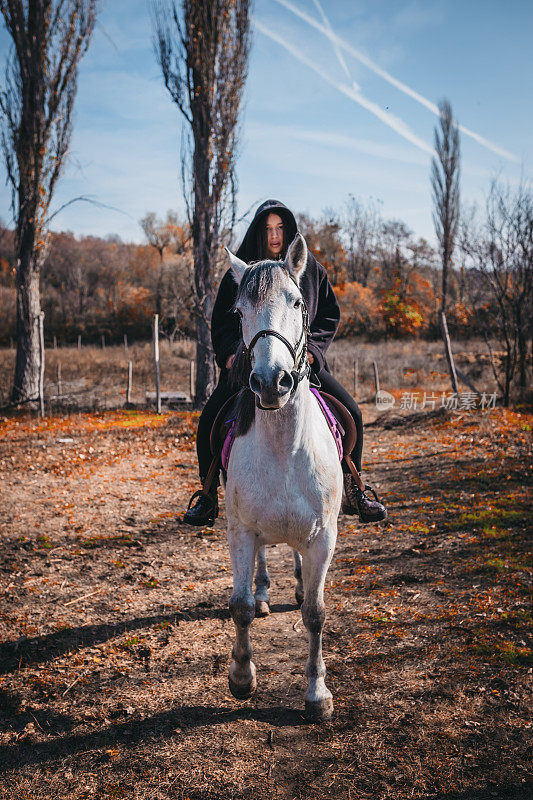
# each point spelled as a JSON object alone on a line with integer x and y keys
{"x": 340, "y": 423}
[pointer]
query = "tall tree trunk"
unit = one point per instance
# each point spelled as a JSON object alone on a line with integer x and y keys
{"x": 522, "y": 352}
{"x": 205, "y": 367}
{"x": 27, "y": 365}
{"x": 444, "y": 323}
{"x": 508, "y": 378}
{"x": 203, "y": 258}
{"x": 448, "y": 350}
{"x": 445, "y": 266}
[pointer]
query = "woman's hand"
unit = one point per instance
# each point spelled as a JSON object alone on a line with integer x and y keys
{"x": 310, "y": 357}
{"x": 229, "y": 361}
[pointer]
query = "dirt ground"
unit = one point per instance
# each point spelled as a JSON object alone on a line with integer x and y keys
{"x": 116, "y": 636}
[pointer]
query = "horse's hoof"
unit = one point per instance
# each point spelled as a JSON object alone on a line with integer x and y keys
{"x": 262, "y": 609}
{"x": 319, "y": 710}
{"x": 243, "y": 691}
{"x": 299, "y": 598}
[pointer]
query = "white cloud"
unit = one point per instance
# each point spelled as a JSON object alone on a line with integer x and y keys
{"x": 331, "y": 139}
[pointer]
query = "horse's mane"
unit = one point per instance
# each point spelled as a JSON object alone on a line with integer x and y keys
{"x": 259, "y": 280}
{"x": 238, "y": 379}
{"x": 256, "y": 284}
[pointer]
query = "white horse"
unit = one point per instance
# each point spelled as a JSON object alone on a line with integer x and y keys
{"x": 284, "y": 479}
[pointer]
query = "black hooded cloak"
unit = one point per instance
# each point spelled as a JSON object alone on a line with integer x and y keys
{"x": 324, "y": 312}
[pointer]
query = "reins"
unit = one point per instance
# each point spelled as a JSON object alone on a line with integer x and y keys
{"x": 302, "y": 368}
{"x": 301, "y": 365}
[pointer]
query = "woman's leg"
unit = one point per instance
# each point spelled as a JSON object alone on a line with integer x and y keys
{"x": 221, "y": 393}
{"x": 357, "y": 502}
{"x": 333, "y": 387}
{"x": 205, "y": 508}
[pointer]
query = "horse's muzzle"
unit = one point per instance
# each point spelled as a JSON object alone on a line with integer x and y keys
{"x": 273, "y": 390}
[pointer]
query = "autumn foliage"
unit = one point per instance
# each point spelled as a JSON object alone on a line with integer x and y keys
{"x": 92, "y": 287}
{"x": 359, "y": 310}
{"x": 400, "y": 316}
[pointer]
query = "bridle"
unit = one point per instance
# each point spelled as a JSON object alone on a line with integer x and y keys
{"x": 302, "y": 367}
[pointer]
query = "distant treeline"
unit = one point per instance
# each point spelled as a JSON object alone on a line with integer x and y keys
{"x": 387, "y": 281}
{"x": 93, "y": 287}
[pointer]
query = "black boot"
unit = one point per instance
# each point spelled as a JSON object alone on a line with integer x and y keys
{"x": 204, "y": 511}
{"x": 356, "y": 502}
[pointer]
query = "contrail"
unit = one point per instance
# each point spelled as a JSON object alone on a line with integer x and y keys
{"x": 389, "y": 119}
{"x": 336, "y": 47}
{"x": 336, "y": 40}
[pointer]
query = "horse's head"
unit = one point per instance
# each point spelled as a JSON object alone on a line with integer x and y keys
{"x": 274, "y": 323}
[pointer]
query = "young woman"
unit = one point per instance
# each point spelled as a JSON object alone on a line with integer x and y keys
{"x": 270, "y": 233}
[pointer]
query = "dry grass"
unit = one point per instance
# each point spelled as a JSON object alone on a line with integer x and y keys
{"x": 95, "y": 378}
{"x": 405, "y": 365}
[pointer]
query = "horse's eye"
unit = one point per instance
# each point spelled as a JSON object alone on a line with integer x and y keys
{"x": 239, "y": 312}
{"x": 298, "y": 304}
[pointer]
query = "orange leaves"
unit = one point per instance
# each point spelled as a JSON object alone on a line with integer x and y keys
{"x": 401, "y": 318}
{"x": 359, "y": 308}
{"x": 84, "y": 423}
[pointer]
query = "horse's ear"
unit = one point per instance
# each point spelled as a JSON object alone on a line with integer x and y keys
{"x": 238, "y": 266}
{"x": 296, "y": 260}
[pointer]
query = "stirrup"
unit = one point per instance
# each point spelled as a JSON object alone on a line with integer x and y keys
{"x": 370, "y": 489}
{"x": 197, "y": 494}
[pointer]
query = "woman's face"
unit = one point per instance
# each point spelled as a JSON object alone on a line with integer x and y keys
{"x": 274, "y": 234}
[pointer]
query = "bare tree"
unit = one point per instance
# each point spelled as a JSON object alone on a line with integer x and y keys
{"x": 159, "y": 234}
{"x": 202, "y": 47}
{"x": 49, "y": 39}
{"x": 501, "y": 251}
{"x": 392, "y": 252}
{"x": 361, "y": 225}
{"x": 332, "y": 252}
{"x": 174, "y": 286}
{"x": 445, "y": 171}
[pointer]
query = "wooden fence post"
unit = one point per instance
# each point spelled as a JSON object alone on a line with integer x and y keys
{"x": 59, "y": 386}
{"x": 155, "y": 336}
{"x": 130, "y": 375}
{"x": 191, "y": 381}
{"x": 41, "y": 364}
{"x": 103, "y": 341}
{"x": 55, "y": 342}
{"x": 376, "y": 379}
{"x": 79, "y": 341}
{"x": 125, "y": 341}
{"x": 355, "y": 366}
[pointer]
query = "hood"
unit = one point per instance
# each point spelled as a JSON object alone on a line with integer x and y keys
{"x": 249, "y": 249}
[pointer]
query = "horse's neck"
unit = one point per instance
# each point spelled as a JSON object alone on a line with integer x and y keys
{"x": 289, "y": 427}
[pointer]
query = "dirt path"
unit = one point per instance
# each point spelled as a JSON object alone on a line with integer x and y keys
{"x": 116, "y": 635}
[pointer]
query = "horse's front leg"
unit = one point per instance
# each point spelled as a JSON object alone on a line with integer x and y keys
{"x": 316, "y": 560}
{"x": 262, "y": 584}
{"x": 299, "y": 590}
{"x": 242, "y": 680}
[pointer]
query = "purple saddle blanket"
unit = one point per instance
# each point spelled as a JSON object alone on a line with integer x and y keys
{"x": 330, "y": 419}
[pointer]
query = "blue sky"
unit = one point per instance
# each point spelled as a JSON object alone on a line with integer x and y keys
{"x": 319, "y": 122}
